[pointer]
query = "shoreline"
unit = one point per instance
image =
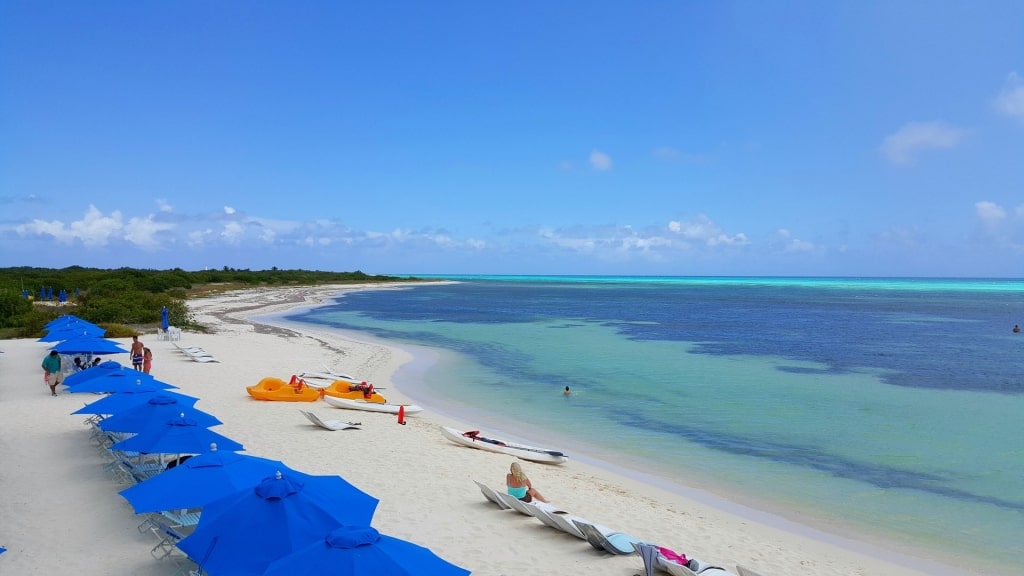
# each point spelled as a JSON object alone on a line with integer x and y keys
{"x": 846, "y": 538}
{"x": 53, "y": 478}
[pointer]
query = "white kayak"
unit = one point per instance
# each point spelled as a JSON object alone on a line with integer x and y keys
{"x": 474, "y": 439}
{"x": 410, "y": 409}
{"x": 324, "y": 379}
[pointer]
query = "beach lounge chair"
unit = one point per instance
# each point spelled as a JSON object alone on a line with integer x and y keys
{"x": 542, "y": 511}
{"x": 514, "y": 503}
{"x": 491, "y": 495}
{"x": 649, "y": 554}
{"x": 603, "y": 538}
{"x": 566, "y": 522}
{"x": 330, "y": 424}
{"x": 168, "y": 538}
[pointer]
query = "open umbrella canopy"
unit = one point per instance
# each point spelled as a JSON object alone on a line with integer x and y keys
{"x": 176, "y": 436}
{"x": 202, "y": 479}
{"x": 66, "y": 319}
{"x": 157, "y": 409}
{"x": 121, "y": 401}
{"x": 120, "y": 381}
{"x": 72, "y": 332}
{"x": 362, "y": 551}
{"x": 102, "y": 369}
{"x": 282, "y": 514}
{"x": 89, "y": 345}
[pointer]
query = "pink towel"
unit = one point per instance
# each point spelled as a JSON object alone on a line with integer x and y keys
{"x": 672, "y": 556}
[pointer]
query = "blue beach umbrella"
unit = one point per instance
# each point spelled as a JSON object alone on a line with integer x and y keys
{"x": 202, "y": 479}
{"x": 176, "y": 436}
{"x": 65, "y": 321}
{"x": 163, "y": 318}
{"x": 282, "y": 513}
{"x": 123, "y": 381}
{"x": 104, "y": 368}
{"x": 362, "y": 551}
{"x": 121, "y": 401}
{"x": 157, "y": 409}
{"x": 88, "y": 345}
{"x": 73, "y": 332}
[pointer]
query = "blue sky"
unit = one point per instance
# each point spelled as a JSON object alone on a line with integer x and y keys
{"x": 851, "y": 138}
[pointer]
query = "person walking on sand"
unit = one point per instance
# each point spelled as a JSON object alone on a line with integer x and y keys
{"x": 52, "y": 368}
{"x": 138, "y": 353}
{"x": 519, "y": 486}
{"x": 147, "y": 360}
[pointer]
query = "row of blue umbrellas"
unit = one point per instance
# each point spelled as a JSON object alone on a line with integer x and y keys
{"x": 46, "y": 293}
{"x": 76, "y": 336}
{"x": 259, "y": 517}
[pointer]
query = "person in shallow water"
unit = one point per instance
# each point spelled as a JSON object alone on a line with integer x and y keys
{"x": 1016, "y": 328}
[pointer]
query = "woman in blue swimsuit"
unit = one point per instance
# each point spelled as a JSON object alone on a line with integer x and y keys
{"x": 519, "y": 485}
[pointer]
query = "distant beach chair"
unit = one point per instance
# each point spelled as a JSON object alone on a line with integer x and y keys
{"x": 566, "y": 522}
{"x": 603, "y": 538}
{"x": 196, "y": 353}
{"x": 330, "y": 424}
{"x": 168, "y": 538}
{"x": 649, "y": 554}
{"x": 491, "y": 495}
{"x": 513, "y": 503}
{"x": 161, "y": 334}
{"x": 543, "y": 511}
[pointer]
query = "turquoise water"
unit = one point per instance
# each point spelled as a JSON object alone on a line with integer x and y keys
{"x": 890, "y": 407}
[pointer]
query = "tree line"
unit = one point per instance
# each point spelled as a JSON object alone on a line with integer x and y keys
{"x": 131, "y": 296}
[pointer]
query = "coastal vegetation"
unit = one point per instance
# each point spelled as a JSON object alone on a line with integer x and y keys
{"x": 125, "y": 298}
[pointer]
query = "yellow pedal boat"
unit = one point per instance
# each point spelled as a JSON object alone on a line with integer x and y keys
{"x": 278, "y": 390}
{"x": 353, "y": 391}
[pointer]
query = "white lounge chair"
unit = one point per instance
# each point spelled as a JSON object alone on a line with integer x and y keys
{"x": 566, "y": 522}
{"x": 514, "y": 503}
{"x": 331, "y": 424}
{"x": 168, "y": 538}
{"x": 603, "y": 538}
{"x": 542, "y": 511}
{"x": 491, "y": 495}
{"x": 649, "y": 554}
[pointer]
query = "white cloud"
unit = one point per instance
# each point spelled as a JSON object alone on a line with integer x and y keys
{"x": 793, "y": 244}
{"x": 142, "y": 231}
{"x": 94, "y": 229}
{"x": 600, "y": 161}
{"x": 164, "y": 205}
{"x": 901, "y": 146}
{"x": 232, "y": 232}
{"x": 990, "y": 217}
{"x": 989, "y": 212}
{"x": 703, "y": 229}
{"x": 1010, "y": 100}
{"x": 197, "y": 238}
{"x": 229, "y": 210}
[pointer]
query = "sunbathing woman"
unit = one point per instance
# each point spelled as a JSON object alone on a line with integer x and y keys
{"x": 519, "y": 485}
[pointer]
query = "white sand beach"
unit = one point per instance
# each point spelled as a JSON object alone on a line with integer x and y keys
{"x": 61, "y": 512}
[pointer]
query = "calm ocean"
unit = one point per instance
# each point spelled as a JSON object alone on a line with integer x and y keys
{"x": 889, "y": 407}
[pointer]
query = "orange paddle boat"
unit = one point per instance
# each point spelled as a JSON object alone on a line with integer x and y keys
{"x": 275, "y": 389}
{"x": 353, "y": 391}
